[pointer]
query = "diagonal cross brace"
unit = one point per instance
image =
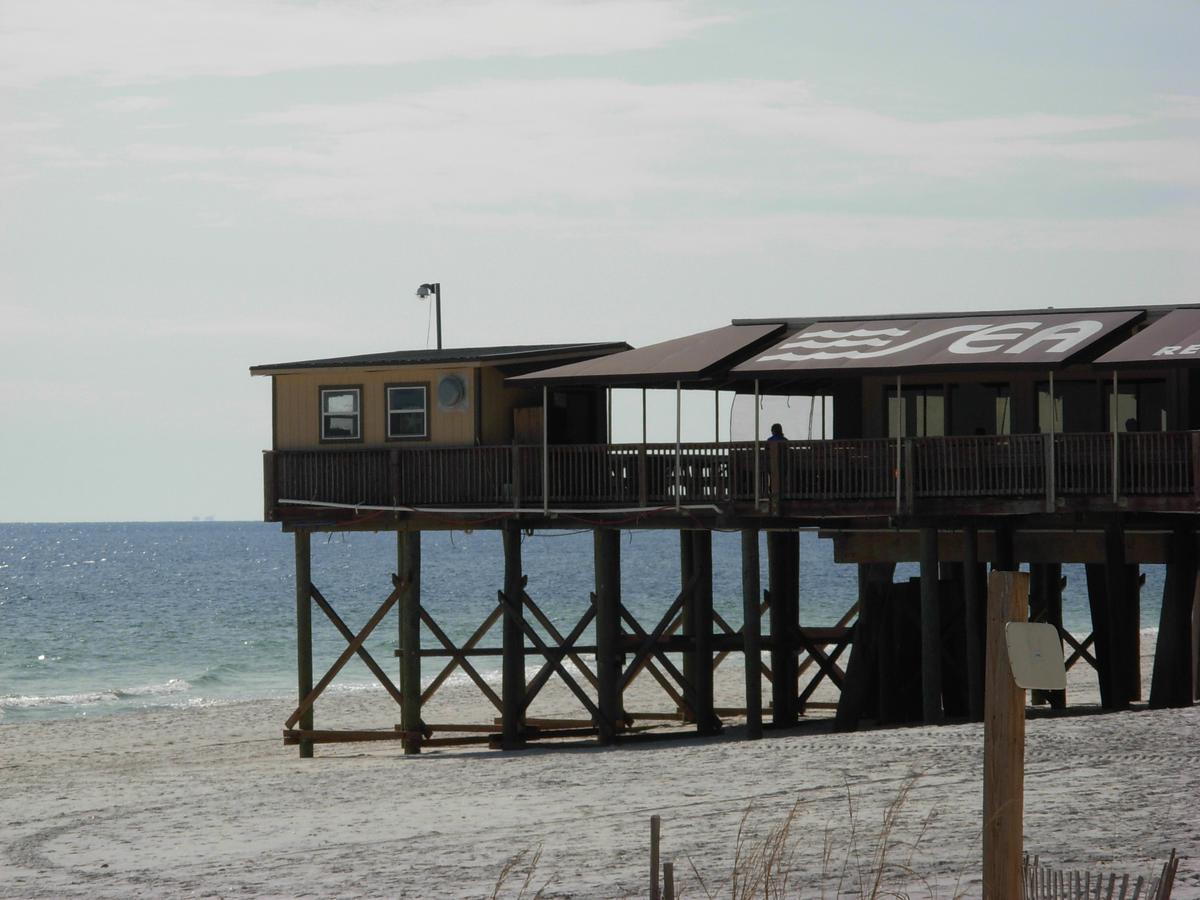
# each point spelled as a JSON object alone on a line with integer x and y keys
{"x": 545, "y": 622}
{"x": 816, "y": 680}
{"x": 351, "y": 650}
{"x": 642, "y": 653}
{"x": 689, "y": 693}
{"x": 554, "y": 656}
{"x": 513, "y": 610}
{"x": 460, "y": 657}
{"x": 1080, "y": 649}
{"x": 366, "y": 657}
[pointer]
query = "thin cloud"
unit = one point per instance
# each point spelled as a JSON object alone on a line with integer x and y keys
{"x": 132, "y": 104}
{"x": 611, "y": 143}
{"x": 130, "y": 42}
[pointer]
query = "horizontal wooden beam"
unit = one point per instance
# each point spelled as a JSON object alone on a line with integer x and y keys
{"x": 1029, "y": 546}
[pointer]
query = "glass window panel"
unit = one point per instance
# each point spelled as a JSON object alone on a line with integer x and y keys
{"x": 406, "y": 424}
{"x": 340, "y": 401}
{"x": 341, "y": 426}
{"x": 933, "y": 414}
{"x": 895, "y": 416}
{"x": 406, "y": 399}
{"x": 1003, "y": 412}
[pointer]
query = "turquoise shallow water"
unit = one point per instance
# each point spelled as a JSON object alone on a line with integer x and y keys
{"x": 98, "y": 619}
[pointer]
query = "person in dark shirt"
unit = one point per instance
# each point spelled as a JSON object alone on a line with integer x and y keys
{"x": 777, "y": 433}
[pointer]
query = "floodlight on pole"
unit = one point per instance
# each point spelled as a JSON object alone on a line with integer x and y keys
{"x": 434, "y": 288}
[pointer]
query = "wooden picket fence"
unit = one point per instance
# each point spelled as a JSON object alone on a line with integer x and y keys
{"x": 1043, "y": 883}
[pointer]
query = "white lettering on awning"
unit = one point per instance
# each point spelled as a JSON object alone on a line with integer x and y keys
{"x": 1065, "y": 337}
{"x": 972, "y": 343}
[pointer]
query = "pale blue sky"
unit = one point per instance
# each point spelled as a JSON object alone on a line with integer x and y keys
{"x": 189, "y": 188}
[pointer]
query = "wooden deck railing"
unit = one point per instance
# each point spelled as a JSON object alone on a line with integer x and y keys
{"x": 1146, "y": 464}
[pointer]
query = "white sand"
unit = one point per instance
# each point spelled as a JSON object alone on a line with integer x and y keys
{"x": 207, "y": 802}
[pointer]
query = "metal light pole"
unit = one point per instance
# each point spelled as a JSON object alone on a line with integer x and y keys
{"x": 434, "y": 288}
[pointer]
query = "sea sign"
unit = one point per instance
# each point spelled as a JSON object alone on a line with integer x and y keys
{"x": 915, "y": 343}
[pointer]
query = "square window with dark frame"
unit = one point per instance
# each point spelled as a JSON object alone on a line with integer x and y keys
{"x": 407, "y": 411}
{"x": 341, "y": 414}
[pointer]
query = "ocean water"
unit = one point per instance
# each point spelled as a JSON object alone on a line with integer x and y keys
{"x": 100, "y": 619}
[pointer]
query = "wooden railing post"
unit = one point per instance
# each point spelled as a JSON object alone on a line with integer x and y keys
{"x": 1195, "y": 468}
{"x": 643, "y": 489}
{"x": 1049, "y": 478}
{"x": 394, "y": 476}
{"x": 270, "y": 487}
{"x": 910, "y": 474}
{"x": 774, "y": 448}
{"x": 515, "y": 475}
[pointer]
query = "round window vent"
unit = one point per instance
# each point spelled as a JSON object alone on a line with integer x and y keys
{"x": 451, "y": 391}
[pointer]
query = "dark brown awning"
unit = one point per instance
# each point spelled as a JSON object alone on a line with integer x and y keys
{"x": 1172, "y": 340}
{"x": 993, "y": 341}
{"x": 683, "y": 359}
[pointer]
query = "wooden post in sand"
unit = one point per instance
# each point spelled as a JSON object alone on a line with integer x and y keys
{"x": 975, "y": 619}
{"x": 1003, "y": 742}
{"x": 783, "y": 579}
{"x": 607, "y": 548}
{"x": 512, "y": 688}
{"x": 655, "y": 831}
{"x": 408, "y": 564}
{"x": 752, "y": 632}
{"x": 1171, "y": 682}
{"x": 304, "y": 676}
{"x": 687, "y": 628}
{"x": 702, "y": 621}
{"x": 931, "y": 630}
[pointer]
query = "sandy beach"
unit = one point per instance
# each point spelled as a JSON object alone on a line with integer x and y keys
{"x": 206, "y": 802}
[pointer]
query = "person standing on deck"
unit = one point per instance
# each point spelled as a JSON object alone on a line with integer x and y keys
{"x": 777, "y": 433}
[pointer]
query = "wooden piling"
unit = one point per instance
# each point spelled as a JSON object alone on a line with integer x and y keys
{"x": 1004, "y": 556}
{"x": 513, "y": 641}
{"x": 975, "y": 617}
{"x": 1045, "y": 605}
{"x": 702, "y": 620}
{"x": 860, "y": 690}
{"x": 304, "y": 676}
{"x": 1004, "y": 742}
{"x": 688, "y": 627}
{"x": 1123, "y": 670}
{"x": 408, "y": 564}
{"x": 752, "y": 632}
{"x": 607, "y": 546}
{"x": 931, "y": 630}
{"x": 783, "y": 579}
{"x": 1097, "y": 589}
{"x": 655, "y": 833}
{"x": 1171, "y": 681}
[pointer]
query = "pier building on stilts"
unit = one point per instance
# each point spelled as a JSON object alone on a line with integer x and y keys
{"x": 1037, "y": 438}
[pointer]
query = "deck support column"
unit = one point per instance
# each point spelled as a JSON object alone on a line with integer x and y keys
{"x": 931, "y": 630}
{"x": 1045, "y": 605}
{"x": 1171, "y": 682}
{"x": 687, "y": 628}
{"x": 512, "y": 695}
{"x": 783, "y": 579}
{"x": 1004, "y": 557}
{"x": 860, "y": 690}
{"x": 752, "y": 632}
{"x": 702, "y": 620}
{"x": 607, "y": 544}
{"x": 1121, "y": 601}
{"x": 408, "y": 563}
{"x": 975, "y": 618}
{"x": 304, "y": 676}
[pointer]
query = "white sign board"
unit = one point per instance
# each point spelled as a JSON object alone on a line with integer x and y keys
{"x": 1035, "y": 654}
